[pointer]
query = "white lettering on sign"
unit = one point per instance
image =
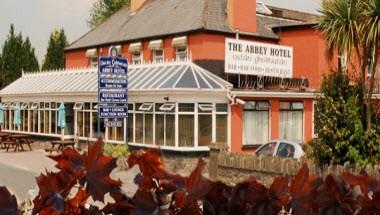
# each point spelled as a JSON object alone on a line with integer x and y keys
{"x": 253, "y": 58}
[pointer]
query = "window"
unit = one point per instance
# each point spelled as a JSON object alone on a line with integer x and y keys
{"x": 158, "y": 56}
{"x": 146, "y": 107}
{"x": 267, "y": 150}
{"x": 221, "y": 122}
{"x": 165, "y": 124}
{"x": 181, "y": 53}
{"x": 137, "y": 57}
{"x": 285, "y": 150}
{"x": 78, "y": 106}
{"x": 186, "y": 125}
{"x": 204, "y": 124}
{"x": 256, "y": 122}
{"x": 167, "y": 107}
{"x": 291, "y": 120}
{"x": 144, "y": 123}
{"x": 93, "y": 61}
{"x": 34, "y": 106}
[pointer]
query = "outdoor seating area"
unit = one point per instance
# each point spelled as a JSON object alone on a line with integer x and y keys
{"x": 15, "y": 141}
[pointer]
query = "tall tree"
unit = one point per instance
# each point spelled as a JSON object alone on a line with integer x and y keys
{"x": 55, "y": 55}
{"x": 11, "y": 60}
{"x": 30, "y": 62}
{"x": 340, "y": 24}
{"x": 102, "y": 9}
{"x": 371, "y": 25}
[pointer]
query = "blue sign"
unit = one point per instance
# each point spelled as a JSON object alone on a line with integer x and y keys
{"x": 113, "y": 112}
{"x": 113, "y": 83}
{"x": 113, "y": 87}
{"x": 113, "y": 97}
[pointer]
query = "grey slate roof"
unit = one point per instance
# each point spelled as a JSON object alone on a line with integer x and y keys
{"x": 158, "y": 18}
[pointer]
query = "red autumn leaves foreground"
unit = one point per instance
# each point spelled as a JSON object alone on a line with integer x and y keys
{"x": 159, "y": 192}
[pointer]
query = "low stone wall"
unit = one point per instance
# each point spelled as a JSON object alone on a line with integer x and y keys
{"x": 233, "y": 168}
{"x": 183, "y": 164}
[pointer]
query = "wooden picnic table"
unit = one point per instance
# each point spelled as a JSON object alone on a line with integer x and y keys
{"x": 17, "y": 140}
{"x": 3, "y": 137}
{"x": 62, "y": 143}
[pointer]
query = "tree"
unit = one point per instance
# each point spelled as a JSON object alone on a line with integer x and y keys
{"x": 55, "y": 55}
{"x": 17, "y": 56}
{"x": 371, "y": 25}
{"x": 340, "y": 24}
{"x": 353, "y": 26}
{"x": 12, "y": 55}
{"x": 30, "y": 62}
{"x": 102, "y": 9}
{"x": 339, "y": 128}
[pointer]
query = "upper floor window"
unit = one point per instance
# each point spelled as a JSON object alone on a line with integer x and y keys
{"x": 181, "y": 54}
{"x": 136, "y": 58}
{"x": 180, "y": 44}
{"x": 158, "y": 56}
{"x": 157, "y": 48}
{"x": 135, "y": 49}
{"x": 92, "y": 55}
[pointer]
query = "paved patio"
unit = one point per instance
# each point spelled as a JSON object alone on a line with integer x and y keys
{"x": 19, "y": 169}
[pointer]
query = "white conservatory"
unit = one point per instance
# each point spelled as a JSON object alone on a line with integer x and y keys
{"x": 174, "y": 105}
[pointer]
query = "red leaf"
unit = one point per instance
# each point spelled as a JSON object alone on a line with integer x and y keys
{"x": 79, "y": 199}
{"x": 69, "y": 160}
{"x": 335, "y": 197}
{"x": 149, "y": 162}
{"x": 98, "y": 167}
{"x": 303, "y": 190}
{"x": 53, "y": 189}
{"x": 121, "y": 206}
{"x": 8, "y": 203}
{"x": 217, "y": 199}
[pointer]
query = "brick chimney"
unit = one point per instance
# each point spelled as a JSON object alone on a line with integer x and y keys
{"x": 242, "y": 15}
{"x": 136, "y": 4}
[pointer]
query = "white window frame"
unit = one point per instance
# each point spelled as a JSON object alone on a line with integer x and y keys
{"x": 146, "y": 107}
{"x": 181, "y": 53}
{"x": 158, "y": 58}
{"x": 137, "y": 59}
{"x": 167, "y": 107}
{"x": 257, "y": 108}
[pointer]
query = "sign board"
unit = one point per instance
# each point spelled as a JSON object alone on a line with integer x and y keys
{"x": 113, "y": 97}
{"x": 113, "y": 123}
{"x": 253, "y": 58}
{"x": 113, "y": 112}
{"x": 113, "y": 88}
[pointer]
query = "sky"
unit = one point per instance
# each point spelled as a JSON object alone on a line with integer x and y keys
{"x": 38, "y": 18}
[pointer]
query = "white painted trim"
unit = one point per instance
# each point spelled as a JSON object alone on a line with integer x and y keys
{"x": 272, "y": 94}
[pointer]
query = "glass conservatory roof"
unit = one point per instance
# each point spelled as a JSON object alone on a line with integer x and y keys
{"x": 149, "y": 77}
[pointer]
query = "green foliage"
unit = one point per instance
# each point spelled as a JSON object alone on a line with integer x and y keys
{"x": 339, "y": 126}
{"x": 102, "y": 9}
{"x": 17, "y": 55}
{"x": 55, "y": 56}
{"x": 116, "y": 150}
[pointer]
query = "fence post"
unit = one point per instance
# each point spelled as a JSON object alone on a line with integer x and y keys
{"x": 215, "y": 149}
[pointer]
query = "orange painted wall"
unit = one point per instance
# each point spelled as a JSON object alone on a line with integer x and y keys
{"x": 236, "y": 127}
{"x": 75, "y": 59}
{"x": 242, "y": 15}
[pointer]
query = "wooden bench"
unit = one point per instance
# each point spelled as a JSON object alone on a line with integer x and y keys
{"x": 9, "y": 143}
{"x": 62, "y": 143}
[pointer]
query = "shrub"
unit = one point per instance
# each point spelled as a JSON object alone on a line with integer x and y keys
{"x": 116, "y": 150}
{"x": 339, "y": 125}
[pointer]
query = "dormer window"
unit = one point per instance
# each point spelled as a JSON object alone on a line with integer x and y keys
{"x": 135, "y": 49}
{"x": 157, "y": 48}
{"x": 92, "y": 55}
{"x": 180, "y": 44}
